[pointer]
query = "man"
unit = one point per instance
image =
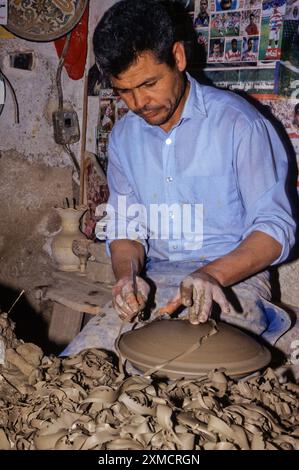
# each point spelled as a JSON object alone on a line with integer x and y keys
{"x": 233, "y": 54}
{"x": 198, "y": 154}
{"x": 249, "y": 55}
{"x": 216, "y": 54}
{"x": 252, "y": 28}
{"x": 203, "y": 17}
{"x": 275, "y": 24}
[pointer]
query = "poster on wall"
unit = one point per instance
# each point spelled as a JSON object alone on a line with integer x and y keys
{"x": 286, "y": 111}
{"x": 289, "y": 65}
{"x": 271, "y": 29}
{"x": 111, "y": 109}
{"x": 229, "y": 29}
{"x": 254, "y": 80}
{"x": 3, "y": 11}
{"x": 238, "y": 31}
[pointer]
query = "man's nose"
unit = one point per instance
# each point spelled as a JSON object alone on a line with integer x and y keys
{"x": 140, "y": 98}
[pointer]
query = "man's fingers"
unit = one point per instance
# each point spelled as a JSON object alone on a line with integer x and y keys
{"x": 205, "y": 313}
{"x": 122, "y": 308}
{"x": 220, "y": 298}
{"x": 202, "y": 306}
{"x": 186, "y": 291}
{"x": 143, "y": 288}
{"x": 127, "y": 304}
{"x": 141, "y": 300}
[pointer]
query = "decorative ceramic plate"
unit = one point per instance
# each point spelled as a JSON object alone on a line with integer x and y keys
{"x": 44, "y": 20}
{"x": 157, "y": 342}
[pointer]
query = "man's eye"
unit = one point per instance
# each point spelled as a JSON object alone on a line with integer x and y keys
{"x": 151, "y": 84}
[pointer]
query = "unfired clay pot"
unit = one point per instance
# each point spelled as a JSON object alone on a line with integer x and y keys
{"x": 160, "y": 341}
{"x": 62, "y": 244}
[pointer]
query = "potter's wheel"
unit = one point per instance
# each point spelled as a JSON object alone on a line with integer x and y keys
{"x": 159, "y": 341}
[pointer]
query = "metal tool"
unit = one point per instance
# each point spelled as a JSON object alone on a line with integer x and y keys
{"x": 134, "y": 277}
{"x": 134, "y": 271}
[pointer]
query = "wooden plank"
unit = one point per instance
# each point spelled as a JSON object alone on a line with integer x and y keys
{"x": 82, "y": 279}
{"x": 71, "y": 291}
{"x": 65, "y": 324}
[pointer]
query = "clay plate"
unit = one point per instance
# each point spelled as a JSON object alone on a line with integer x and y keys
{"x": 159, "y": 341}
{"x": 43, "y": 20}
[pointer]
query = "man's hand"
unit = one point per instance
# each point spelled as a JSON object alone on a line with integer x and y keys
{"x": 127, "y": 304}
{"x": 198, "y": 291}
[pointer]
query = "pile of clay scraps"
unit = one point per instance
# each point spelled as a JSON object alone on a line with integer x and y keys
{"x": 83, "y": 402}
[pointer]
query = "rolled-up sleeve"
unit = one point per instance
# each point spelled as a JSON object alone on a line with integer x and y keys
{"x": 261, "y": 167}
{"x": 125, "y": 217}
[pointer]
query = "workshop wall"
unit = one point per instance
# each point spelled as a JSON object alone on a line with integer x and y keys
{"x": 36, "y": 173}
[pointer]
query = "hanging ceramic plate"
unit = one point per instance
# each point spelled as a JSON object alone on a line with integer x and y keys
{"x": 43, "y": 20}
{"x": 160, "y": 341}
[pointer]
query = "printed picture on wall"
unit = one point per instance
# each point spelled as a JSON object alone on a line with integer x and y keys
{"x": 224, "y": 5}
{"x": 107, "y": 115}
{"x": 225, "y": 24}
{"x": 202, "y": 35}
{"x": 233, "y": 47}
{"x": 286, "y": 111}
{"x": 258, "y": 81}
{"x": 252, "y": 4}
{"x": 272, "y": 25}
{"x": 216, "y": 50}
{"x": 289, "y": 65}
{"x": 201, "y": 13}
{"x": 250, "y": 22}
{"x": 250, "y": 49}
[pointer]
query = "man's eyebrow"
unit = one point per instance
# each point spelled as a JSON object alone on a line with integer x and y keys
{"x": 148, "y": 80}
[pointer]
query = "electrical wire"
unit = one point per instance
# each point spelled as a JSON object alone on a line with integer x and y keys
{"x": 14, "y": 97}
{"x": 59, "y": 70}
{"x": 60, "y": 97}
{"x": 73, "y": 157}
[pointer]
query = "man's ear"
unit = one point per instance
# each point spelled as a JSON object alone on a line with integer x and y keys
{"x": 179, "y": 55}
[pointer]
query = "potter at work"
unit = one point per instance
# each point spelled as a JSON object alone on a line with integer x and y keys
{"x": 187, "y": 146}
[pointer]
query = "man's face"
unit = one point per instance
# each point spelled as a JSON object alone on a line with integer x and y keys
{"x": 153, "y": 90}
{"x": 226, "y": 4}
{"x": 251, "y": 19}
{"x": 203, "y": 6}
{"x": 216, "y": 50}
{"x": 296, "y": 119}
{"x": 234, "y": 46}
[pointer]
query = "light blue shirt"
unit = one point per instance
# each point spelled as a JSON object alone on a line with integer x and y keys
{"x": 222, "y": 156}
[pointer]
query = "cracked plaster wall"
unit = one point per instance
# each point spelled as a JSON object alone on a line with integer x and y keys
{"x": 35, "y": 172}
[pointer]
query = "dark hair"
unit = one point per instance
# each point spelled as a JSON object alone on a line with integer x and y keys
{"x": 129, "y": 28}
{"x": 226, "y": 4}
{"x": 296, "y": 109}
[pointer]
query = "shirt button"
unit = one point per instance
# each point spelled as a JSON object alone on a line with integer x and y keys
{"x": 168, "y": 141}
{"x": 175, "y": 247}
{"x": 169, "y": 179}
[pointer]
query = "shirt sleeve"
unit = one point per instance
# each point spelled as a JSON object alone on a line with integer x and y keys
{"x": 262, "y": 168}
{"x": 126, "y": 218}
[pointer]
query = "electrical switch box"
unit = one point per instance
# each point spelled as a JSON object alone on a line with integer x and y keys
{"x": 66, "y": 127}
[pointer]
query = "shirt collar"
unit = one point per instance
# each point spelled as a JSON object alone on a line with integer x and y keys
{"x": 195, "y": 100}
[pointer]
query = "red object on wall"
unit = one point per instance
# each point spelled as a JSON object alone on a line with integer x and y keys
{"x": 75, "y": 58}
